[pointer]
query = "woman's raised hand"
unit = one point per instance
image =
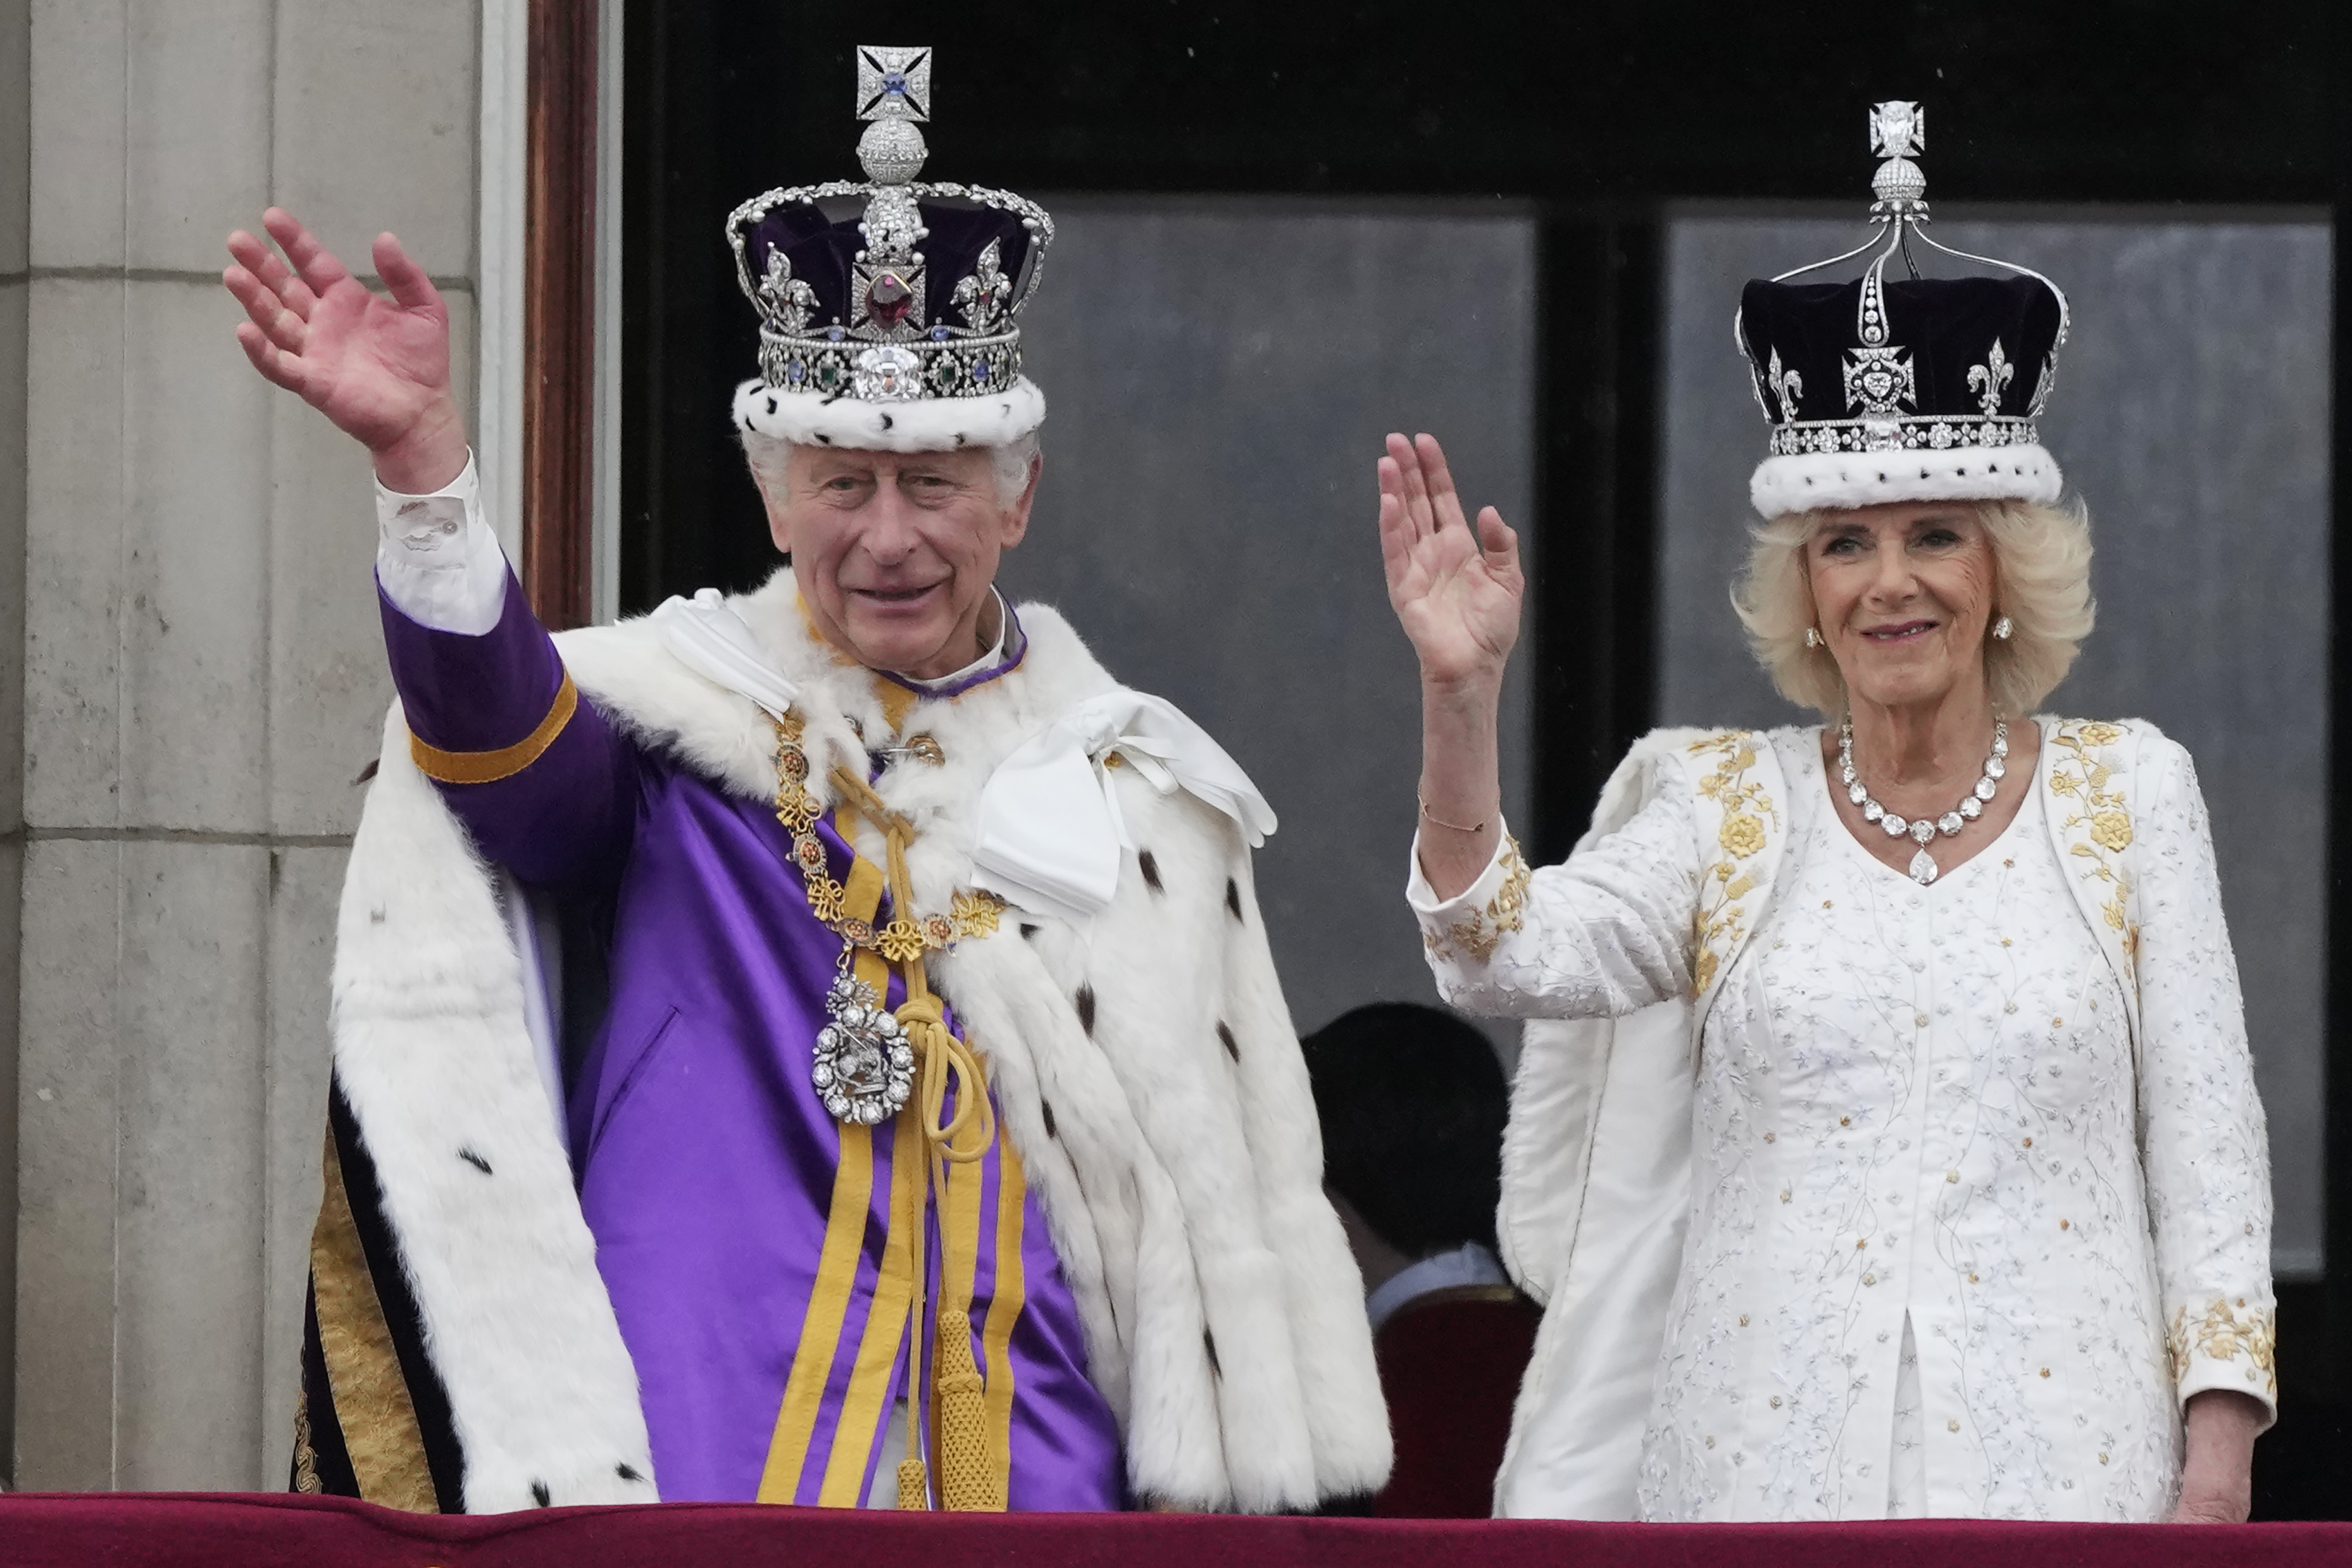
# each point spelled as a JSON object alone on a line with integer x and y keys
{"x": 378, "y": 368}
{"x": 1457, "y": 592}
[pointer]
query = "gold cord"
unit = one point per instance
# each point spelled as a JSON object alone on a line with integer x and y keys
{"x": 960, "y": 1139}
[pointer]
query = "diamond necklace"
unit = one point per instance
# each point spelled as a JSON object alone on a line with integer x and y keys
{"x": 1923, "y": 869}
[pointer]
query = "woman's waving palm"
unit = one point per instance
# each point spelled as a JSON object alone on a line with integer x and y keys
{"x": 1456, "y": 592}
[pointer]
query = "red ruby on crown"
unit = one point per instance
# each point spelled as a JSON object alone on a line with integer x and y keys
{"x": 889, "y": 299}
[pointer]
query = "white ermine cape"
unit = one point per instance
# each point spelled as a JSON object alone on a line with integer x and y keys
{"x": 1144, "y": 1060}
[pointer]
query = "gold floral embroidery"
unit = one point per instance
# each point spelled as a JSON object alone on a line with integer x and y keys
{"x": 2223, "y": 1335}
{"x": 1720, "y": 921}
{"x": 2083, "y": 779}
{"x": 1482, "y": 931}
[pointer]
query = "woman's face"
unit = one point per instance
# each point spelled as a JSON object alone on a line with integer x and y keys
{"x": 1901, "y": 593}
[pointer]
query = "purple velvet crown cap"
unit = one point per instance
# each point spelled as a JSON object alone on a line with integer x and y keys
{"x": 821, "y": 249}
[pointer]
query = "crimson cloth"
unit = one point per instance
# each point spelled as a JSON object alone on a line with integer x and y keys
{"x": 190, "y": 1530}
{"x": 1450, "y": 1367}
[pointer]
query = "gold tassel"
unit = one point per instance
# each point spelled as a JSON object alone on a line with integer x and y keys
{"x": 967, "y": 1479}
{"x": 912, "y": 1493}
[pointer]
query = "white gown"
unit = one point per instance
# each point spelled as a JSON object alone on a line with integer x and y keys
{"x": 1919, "y": 1132}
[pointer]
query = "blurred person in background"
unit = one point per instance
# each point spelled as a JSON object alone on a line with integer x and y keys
{"x": 1922, "y": 1172}
{"x": 1413, "y": 1103}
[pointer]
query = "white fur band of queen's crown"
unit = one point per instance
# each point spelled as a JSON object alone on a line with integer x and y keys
{"x": 893, "y": 328}
{"x": 1914, "y": 389}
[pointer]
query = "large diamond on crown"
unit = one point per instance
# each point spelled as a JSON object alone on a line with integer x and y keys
{"x": 888, "y": 375}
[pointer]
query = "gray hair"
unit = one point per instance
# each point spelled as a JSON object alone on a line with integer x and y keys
{"x": 1010, "y": 463}
{"x": 2042, "y": 575}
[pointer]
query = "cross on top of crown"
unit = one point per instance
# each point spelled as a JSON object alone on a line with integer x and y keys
{"x": 1897, "y": 129}
{"x": 894, "y": 84}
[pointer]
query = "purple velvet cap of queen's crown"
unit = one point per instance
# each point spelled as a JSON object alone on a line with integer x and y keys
{"x": 1914, "y": 389}
{"x": 894, "y": 324}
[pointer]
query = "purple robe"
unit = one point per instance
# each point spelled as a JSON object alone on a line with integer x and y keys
{"x": 706, "y": 1163}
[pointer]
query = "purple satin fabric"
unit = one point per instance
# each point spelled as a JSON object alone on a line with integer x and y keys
{"x": 705, "y": 1160}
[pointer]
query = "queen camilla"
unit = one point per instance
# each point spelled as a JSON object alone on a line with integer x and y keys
{"x": 1901, "y": 1156}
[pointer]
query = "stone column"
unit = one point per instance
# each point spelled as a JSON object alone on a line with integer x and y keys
{"x": 201, "y": 683}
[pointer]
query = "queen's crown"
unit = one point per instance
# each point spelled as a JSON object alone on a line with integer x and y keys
{"x": 1918, "y": 362}
{"x": 915, "y": 296}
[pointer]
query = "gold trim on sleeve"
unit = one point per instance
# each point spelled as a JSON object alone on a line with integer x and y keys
{"x": 489, "y": 767}
{"x": 1481, "y": 931}
{"x": 2224, "y": 1335}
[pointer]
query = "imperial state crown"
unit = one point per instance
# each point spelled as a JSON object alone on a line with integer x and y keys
{"x": 890, "y": 308}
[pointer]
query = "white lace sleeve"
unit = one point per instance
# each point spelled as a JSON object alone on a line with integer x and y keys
{"x": 2203, "y": 1138}
{"x": 1602, "y": 934}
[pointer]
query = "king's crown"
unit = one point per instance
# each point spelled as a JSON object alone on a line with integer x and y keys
{"x": 850, "y": 307}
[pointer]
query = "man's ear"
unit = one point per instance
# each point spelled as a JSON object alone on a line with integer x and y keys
{"x": 771, "y": 502}
{"x": 1016, "y": 517}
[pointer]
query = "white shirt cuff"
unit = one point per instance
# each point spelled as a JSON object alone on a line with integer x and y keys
{"x": 437, "y": 559}
{"x": 1438, "y": 914}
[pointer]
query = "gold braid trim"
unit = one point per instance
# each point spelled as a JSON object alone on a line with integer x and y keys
{"x": 489, "y": 767}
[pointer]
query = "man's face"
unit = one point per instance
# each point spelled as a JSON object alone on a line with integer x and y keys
{"x": 894, "y": 551}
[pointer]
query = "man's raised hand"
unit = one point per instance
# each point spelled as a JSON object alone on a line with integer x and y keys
{"x": 1456, "y": 592}
{"x": 378, "y": 368}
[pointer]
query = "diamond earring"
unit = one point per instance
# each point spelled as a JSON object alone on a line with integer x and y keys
{"x": 2002, "y": 628}
{"x": 1813, "y": 636}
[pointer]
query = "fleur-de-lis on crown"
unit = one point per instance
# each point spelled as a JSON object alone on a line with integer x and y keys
{"x": 2042, "y": 384}
{"x": 785, "y": 300}
{"x": 983, "y": 295}
{"x": 1990, "y": 380}
{"x": 1787, "y": 386}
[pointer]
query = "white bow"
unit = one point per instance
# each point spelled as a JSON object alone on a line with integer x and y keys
{"x": 1050, "y": 835}
{"x": 706, "y": 636}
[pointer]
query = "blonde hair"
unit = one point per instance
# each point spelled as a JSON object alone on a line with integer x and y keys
{"x": 2042, "y": 581}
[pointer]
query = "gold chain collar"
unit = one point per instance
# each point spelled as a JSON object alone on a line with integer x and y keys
{"x": 972, "y": 912}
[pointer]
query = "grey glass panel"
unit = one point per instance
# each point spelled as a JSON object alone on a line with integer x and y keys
{"x": 1219, "y": 375}
{"x": 2192, "y": 413}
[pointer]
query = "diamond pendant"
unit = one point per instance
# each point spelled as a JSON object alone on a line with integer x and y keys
{"x": 864, "y": 1068}
{"x": 1923, "y": 868}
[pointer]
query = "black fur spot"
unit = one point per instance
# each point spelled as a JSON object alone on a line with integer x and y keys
{"x": 889, "y": 423}
{"x": 1210, "y": 1339}
{"x": 1233, "y": 898}
{"x": 627, "y": 1472}
{"x": 1086, "y": 1008}
{"x": 365, "y": 773}
{"x": 771, "y": 404}
{"x": 823, "y": 439}
{"x": 1028, "y": 931}
{"x": 475, "y": 1160}
{"x": 1047, "y": 1107}
{"x": 540, "y": 1495}
{"x": 1233, "y": 1047}
{"x": 1150, "y": 871}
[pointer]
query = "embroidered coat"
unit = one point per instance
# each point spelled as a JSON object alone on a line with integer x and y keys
{"x": 2009, "y": 1119}
{"x": 612, "y": 1273}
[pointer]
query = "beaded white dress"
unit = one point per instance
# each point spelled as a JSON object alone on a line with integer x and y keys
{"x": 1952, "y": 1250}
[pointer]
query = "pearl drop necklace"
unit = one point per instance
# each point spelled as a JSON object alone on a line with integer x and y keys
{"x": 1923, "y": 869}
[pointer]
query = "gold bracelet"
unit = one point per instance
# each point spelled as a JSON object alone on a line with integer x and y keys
{"x": 1457, "y": 827}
